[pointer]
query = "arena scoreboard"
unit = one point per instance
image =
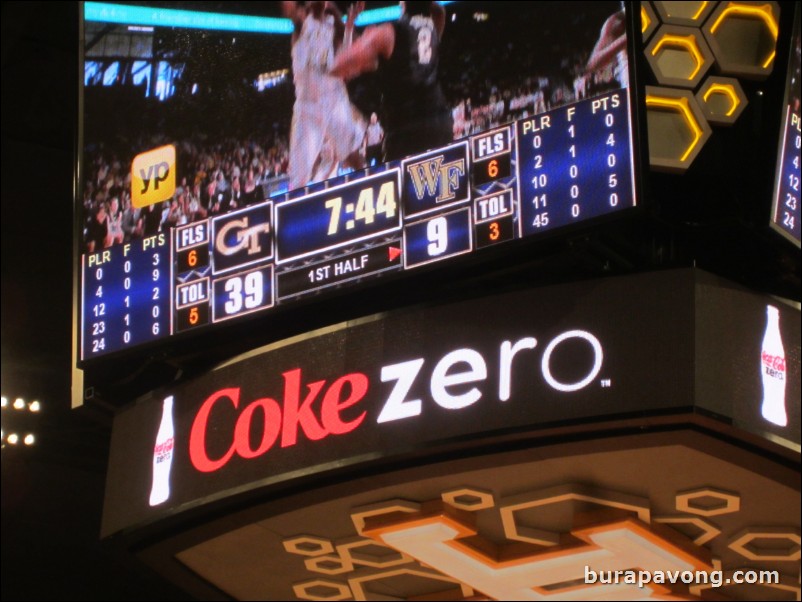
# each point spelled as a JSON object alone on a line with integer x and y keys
{"x": 571, "y": 160}
{"x": 786, "y": 216}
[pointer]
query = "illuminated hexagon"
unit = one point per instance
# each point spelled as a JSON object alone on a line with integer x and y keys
{"x": 708, "y": 531}
{"x": 329, "y": 565}
{"x": 743, "y": 37}
{"x": 677, "y": 128}
{"x": 371, "y": 553}
{"x": 679, "y": 56}
{"x": 467, "y": 498}
{"x": 746, "y": 544}
{"x": 648, "y": 20}
{"x": 684, "y": 13}
{"x": 318, "y": 589}
{"x": 722, "y": 100}
{"x": 359, "y": 515}
{"x": 432, "y": 591}
{"x": 308, "y": 545}
{"x": 708, "y": 502}
{"x": 560, "y": 495}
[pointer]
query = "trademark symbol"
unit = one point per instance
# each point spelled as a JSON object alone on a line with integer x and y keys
{"x": 605, "y": 382}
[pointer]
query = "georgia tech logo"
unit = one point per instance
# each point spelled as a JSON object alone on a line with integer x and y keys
{"x": 242, "y": 238}
{"x": 246, "y": 237}
{"x": 436, "y": 539}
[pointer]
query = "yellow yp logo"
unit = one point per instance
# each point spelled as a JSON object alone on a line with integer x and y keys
{"x": 153, "y": 176}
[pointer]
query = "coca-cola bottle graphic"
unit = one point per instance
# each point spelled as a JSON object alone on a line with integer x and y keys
{"x": 163, "y": 455}
{"x": 772, "y": 369}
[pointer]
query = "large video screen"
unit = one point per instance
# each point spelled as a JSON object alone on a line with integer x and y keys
{"x": 234, "y": 163}
{"x": 786, "y": 210}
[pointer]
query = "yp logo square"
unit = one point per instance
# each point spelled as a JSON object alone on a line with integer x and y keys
{"x": 153, "y": 176}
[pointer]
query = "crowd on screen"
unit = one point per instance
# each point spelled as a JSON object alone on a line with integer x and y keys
{"x": 215, "y": 177}
{"x": 211, "y": 179}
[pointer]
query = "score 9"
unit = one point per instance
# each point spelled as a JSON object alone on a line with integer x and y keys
{"x": 438, "y": 237}
{"x": 437, "y": 233}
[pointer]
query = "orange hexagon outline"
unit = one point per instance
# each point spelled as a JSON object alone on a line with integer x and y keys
{"x": 709, "y": 531}
{"x": 486, "y": 498}
{"x": 683, "y": 499}
{"x": 359, "y": 593}
{"x": 739, "y": 543}
{"x": 291, "y": 543}
{"x": 346, "y": 550}
{"x": 346, "y": 566}
{"x": 300, "y": 590}
{"x": 555, "y": 495}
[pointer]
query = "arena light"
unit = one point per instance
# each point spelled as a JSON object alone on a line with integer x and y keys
{"x": 17, "y": 425}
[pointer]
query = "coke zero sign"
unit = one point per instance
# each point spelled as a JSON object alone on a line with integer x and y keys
{"x": 443, "y": 380}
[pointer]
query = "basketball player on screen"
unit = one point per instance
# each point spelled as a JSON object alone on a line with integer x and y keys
{"x": 325, "y": 132}
{"x": 611, "y": 47}
{"x": 405, "y": 55}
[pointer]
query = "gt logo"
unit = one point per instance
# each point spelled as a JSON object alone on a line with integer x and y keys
{"x": 434, "y": 539}
{"x": 243, "y": 237}
{"x": 246, "y": 237}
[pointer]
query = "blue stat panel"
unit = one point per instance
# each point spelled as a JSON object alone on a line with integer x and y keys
{"x": 519, "y": 180}
{"x": 786, "y": 215}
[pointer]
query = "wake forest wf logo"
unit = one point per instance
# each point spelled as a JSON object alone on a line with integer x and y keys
{"x": 436, "y": 179}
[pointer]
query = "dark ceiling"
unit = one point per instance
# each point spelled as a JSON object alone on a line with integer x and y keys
{"x": 52, "y": 493}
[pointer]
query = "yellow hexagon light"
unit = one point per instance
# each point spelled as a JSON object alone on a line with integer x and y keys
{"x": 743, "y": 37}
{"x": 722, "y": 100}
{"x": 679, "y": 56}
{"x": 684, "y": 13}
{"x": 677, "y": 128}
{"x": 648, "y": 20}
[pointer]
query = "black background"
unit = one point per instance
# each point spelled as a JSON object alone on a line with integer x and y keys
{"x": 51, "y": 493}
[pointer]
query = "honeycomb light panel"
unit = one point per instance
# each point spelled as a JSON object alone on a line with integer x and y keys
{"x": 677, "y": 128}
{"x": 679, "y": 56}
{"x": 743, "y": 37}
{"x": 648, "y": 20}
{"x": 684, "y": 13}
{"x": 722, "y": 100}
